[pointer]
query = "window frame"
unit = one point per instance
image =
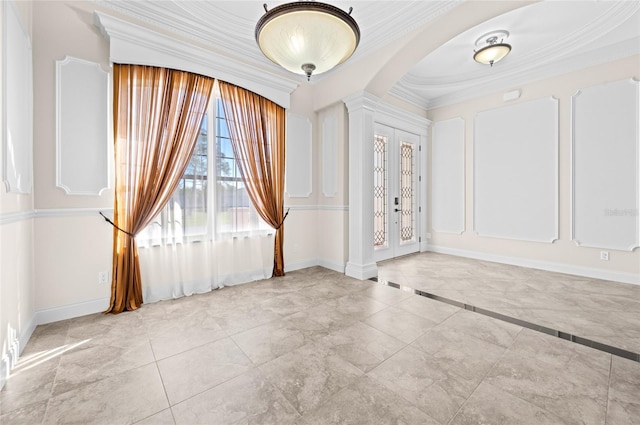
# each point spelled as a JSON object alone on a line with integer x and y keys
{"x": 166, "y": 220}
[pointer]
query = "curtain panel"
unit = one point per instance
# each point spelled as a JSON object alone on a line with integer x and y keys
{"x": 257, "y": 131}
{"x": 157, "y": 117}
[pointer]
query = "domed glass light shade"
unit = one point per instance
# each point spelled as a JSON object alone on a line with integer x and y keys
{"x": 307, "y": 37}
{"x": 493, "y": 51}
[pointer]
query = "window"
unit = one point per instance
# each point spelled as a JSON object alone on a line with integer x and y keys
{"x": 203, "y": 209}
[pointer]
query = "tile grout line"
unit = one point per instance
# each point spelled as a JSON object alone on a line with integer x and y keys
{"x": 493, "y": 366}
{"x": 606, "y": 406}
{"x": 55, "y": 378}
{"x": 620, "y": 352}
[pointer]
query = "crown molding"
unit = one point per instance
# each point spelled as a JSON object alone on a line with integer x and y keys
{"x": 133, "y": 44}
{"x": 410, "y": 93}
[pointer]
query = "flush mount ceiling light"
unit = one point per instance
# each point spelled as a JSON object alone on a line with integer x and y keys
{"x": 307, "y": 37}
{"x": 491, "y": 47}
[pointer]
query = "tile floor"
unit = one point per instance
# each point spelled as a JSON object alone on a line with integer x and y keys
{"x": 316, "y": 347}
{"x": 598, "y": 310}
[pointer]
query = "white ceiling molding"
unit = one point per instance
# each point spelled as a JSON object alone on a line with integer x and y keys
{"x": 229, "y": 26}
{"x": 548, "y": 38}
{"x": 574, "y": 44}
{"x": 395, "y": 117}
{"x": 464, "y": 91}
{"x": 576, "y": 35}
{"x": 132, "y": 44}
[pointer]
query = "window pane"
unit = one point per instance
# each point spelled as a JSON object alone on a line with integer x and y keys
{"x": 221, "y": 128}
{"x": 195, "y": 203}
{"x": 225, "y": 168}
{"x": 223, "y": 146}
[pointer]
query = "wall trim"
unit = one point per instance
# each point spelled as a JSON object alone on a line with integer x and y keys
{"x": 26, "y": 334}
{"x": 317, "y": 207}
{"x": 55, "y": 314}
{"x": 94, "y": 132}
{"x": 70, "y": 212}
{"x": 322, "y": 262}
{"x": 4, "y": 372}
{"x": 540, "y": 265}
{"x": 329, "y": 153}
{"x": 298, "y": 265}
{"x": 16, "y": 347}
{"x": 135, "y": 44}
{"x": 299, "y": 166}
{"x": 332, "y": 265}
{"x": 12, "y": 217}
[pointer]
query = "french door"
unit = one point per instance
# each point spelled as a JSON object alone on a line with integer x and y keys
{"x": 395, "y": 192}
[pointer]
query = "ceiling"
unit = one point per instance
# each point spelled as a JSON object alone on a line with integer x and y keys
{"x": 548, "y": 38}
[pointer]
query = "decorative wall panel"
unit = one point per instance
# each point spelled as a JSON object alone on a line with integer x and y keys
{"x": 82, "y": 142}
{"x": 448, "y": 172}
{"x": 17, "y": 90}
{"x": 298, "y": 163}
{"x": 516, "y": 171}
{"x": 330, "y": 156}
{"x": 606, "y": 176}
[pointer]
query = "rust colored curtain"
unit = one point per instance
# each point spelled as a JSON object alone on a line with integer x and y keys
{"x": 257, "y": 131}
{"x": 157, "y": 117}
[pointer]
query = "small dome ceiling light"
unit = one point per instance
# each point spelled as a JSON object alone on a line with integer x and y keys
{"x": 491, "y": 47}
{"x": 307, "y": 37}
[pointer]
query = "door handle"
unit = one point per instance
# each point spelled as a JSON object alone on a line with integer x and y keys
{"x": 396, "y": 210}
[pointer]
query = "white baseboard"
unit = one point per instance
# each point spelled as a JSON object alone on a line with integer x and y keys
{"x": 332, "y": 265}
{"x": 56, "y": 314}
{"x": 4, "y": 371}
{"x": 289, "y": 267}
{"x": 361, "y": 271}
{"x": 28, "y": 331}
{"x": 16, "y": 346}
{"x": 541, "y": 265}
{"x": 327, "y": 264}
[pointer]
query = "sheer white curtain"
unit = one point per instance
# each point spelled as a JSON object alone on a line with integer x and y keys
{"x": 209, "y": 235}
{"x": 175, "y": 270}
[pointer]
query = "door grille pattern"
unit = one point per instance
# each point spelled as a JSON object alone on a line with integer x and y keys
{"x": 407, "y": 152}
{"x": 379, "y": 191}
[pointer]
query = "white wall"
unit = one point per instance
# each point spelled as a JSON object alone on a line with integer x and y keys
{"x": 331, "y": 161}
{"x": 55, "y": 275}
{"x": 72, "y": 242}
{"x": 17, "y": 290}
{"x": 562, "y": 255}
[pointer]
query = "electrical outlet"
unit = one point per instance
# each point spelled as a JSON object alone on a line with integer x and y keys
{"x": 103, "y": 278}
{"x": 604, "y": 255}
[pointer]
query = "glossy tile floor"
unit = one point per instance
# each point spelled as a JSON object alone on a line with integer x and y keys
{"x": 316, "y": 347}
{"x": 599, "y": 310}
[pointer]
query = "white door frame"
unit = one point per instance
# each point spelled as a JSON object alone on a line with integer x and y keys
{"x": 394, "y": 247}
{"x": 364, "y": 111}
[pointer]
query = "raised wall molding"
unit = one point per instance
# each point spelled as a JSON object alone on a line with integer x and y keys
{"x": 82, "y": 136}
{"x": 317, "y": 207}
{"x": 17, "y": 103}
{"x": 72, "y": 212}
{"x": 6, "y": 218}
{"x": 448, "y": 175}
{"x": 605, "y": 166}
{"x": 330, "y": 156}
{"x": 299, "y": 167}
{"x": 516, "y": 171}
{"x": 13, "y": 217}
